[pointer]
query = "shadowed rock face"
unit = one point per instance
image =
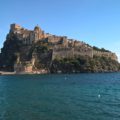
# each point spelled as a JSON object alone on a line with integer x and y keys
{"x": 33, "y": 51}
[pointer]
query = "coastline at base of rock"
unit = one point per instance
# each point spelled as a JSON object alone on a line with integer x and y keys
{"x": 22, "y": 72}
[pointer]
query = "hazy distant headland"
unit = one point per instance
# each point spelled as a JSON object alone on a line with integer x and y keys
{"x": 36, "y": 52}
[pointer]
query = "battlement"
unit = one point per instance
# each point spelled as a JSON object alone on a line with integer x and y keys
{"x": 15, "y": 27}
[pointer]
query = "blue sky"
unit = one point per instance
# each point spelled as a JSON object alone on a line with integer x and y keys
{"x": 96, "y": 22}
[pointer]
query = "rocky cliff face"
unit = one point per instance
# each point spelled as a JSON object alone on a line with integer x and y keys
{"x": 33, "y": 51}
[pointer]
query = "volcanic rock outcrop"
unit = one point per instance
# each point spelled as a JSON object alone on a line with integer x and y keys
{"x": 34, "y": 51}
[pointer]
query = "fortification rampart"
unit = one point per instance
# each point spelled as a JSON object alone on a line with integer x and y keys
{"x": 70, "y": 52}
{"x": 63, "y": 53}
{"x": 62, "y": 46}
{"x": 105, "y": 54}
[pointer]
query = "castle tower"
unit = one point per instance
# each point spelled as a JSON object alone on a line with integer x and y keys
{"x": 37, "y": 33}
{"x": 15, "y": 28}
{"x": 37, "y": 29}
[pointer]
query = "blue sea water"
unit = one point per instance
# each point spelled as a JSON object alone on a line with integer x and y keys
{"x": 60, "y": 97}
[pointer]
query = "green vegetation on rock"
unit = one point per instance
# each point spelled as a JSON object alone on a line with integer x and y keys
{"x": 100, "y": 49}
{"x": 85, "y": 64}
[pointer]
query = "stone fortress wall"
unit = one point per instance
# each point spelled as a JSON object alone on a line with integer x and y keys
{"x": 69, "y": 52}
{"x": 105, "y": 54}
{"x": 63, "y": 47}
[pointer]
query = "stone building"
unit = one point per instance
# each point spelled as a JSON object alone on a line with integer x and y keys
{"x": 62, "y": 46}
{"x": 15, "y": 28}
{"x": 77, "y": 43}
{"x": 27, "y": 36}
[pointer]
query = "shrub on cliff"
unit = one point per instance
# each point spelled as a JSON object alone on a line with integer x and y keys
{"x": 100, "y": 49}
{"x": 84, "y": 64}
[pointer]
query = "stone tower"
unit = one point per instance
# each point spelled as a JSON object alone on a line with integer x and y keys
{"x": 37, "y": 33}
{"x": 15, "y": 28}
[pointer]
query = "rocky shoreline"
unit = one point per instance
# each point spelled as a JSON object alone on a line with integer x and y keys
{"x": 7, "y": 73}
{"x": 57, "y": 72}
{"x": 22, "y": 73}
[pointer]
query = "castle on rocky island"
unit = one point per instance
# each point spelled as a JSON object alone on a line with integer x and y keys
{"x": 60, "y": 47}
{"x": 63, "y": 47}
